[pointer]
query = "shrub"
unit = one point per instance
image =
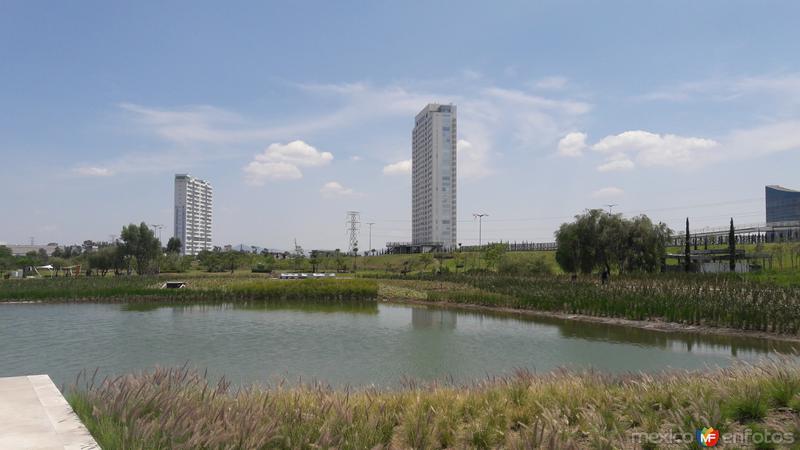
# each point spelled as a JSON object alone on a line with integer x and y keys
{"x": 747, "y": 406}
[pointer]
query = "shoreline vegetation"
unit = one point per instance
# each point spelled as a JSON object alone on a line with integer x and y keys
{"x": 182, "y": 409}
{"x": 202, "y": 289}
{"x": 726, "y": 305}
{"x": 687, "y": 301}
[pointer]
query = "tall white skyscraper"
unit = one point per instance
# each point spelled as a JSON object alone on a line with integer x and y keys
{"x": 433, "y": 172}
{"x": 193, "y": 202}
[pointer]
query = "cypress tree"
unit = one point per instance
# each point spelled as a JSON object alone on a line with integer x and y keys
{"x": 732, "y": 247}
{"x": 687, "y": 251}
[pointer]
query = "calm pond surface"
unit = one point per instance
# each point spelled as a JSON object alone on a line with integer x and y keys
{"x": 357, "y": 345}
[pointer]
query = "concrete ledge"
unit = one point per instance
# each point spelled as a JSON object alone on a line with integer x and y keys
{"x": 34, "y": 415}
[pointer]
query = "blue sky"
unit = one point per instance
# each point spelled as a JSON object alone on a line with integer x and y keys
{"x": 299, "y": 111}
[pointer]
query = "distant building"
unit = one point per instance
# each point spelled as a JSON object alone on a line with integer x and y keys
{"x": 783, "y": 205}
{"x": 24, "y": 249}
{"x": 193, "y": 204}
{"x": 433, "y": 174}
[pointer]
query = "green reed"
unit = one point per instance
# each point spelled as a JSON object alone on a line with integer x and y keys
{"x": 693, "y": 300}
{"x": 143, "y": 289}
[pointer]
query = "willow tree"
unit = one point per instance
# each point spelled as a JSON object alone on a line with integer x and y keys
{"x": 599, "y": 240}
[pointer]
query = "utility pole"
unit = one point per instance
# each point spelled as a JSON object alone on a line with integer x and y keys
{"x": 480, "y": 217}
{"x": 610, "y": 207}
{"x": 370, "y": 235}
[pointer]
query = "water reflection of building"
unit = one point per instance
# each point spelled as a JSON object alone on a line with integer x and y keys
{"x": 422, "y": 318}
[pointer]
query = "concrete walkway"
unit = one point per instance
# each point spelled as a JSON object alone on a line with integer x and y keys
{"x": 35, "y": 416}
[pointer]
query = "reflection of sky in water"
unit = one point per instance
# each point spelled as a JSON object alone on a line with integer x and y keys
{"x": 355, "y": 344}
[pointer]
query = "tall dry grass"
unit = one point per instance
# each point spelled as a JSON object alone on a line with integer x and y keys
{"x": 181, "y": 409}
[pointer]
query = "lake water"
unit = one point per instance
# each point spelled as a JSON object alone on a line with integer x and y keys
{"x": 358, "y": 345}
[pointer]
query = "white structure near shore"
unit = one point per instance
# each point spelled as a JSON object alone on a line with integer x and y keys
{"x": 193, "y": 205}
{"x": 34, "y": 415}
{"x": 433, "y": 172}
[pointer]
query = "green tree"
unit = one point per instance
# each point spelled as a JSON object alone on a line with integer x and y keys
{"x": 493, "y": 253}
{"x": 7, "y": 260}
{"x": 211, "y": 261}
{"x": 104, "y": 259}
{"x": 174, "y": 245}
{"x": 597, "y": 239}
{"x": 535, "y": 265}
{"x": 140, "y": 243}
{"x": 425, "y": 260}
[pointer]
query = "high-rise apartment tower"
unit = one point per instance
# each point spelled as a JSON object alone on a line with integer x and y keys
{"x": 433, "y": 172}
{"x": 193, "y": 202}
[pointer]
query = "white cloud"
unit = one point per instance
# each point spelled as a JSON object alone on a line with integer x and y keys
{"x": 551, "y": 83}
{"x": 333, "y": 189}
{"x": 572, "y": 144}
{"x": 283, "y": 162}
{"x": 398, "y": 168}
{"x": 782, "y": 88}
{"x": 297, "y": 153}
{"x": 763, "y": 140}
{"x": 258, "y": 172}
{"x": 608, "y": 192}
{"x": 92, "y": 171}
{"x": 472, "y": 160}
{"x": 522, "y": 98}
{"x": 651, "y": 149}
{"x": 486, "y": 122}
{"x": 616, "y": 165}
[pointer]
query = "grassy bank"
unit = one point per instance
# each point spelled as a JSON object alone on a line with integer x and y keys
{"x": 686, "y": 299}
{"x": 217, "y": 288}
{"x": 177, "y": 409}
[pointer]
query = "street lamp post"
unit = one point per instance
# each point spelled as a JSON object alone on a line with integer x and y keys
{"x": 370, "y": 235}
{"x": 157, "y": 227}
{"x": 480, "y": 217}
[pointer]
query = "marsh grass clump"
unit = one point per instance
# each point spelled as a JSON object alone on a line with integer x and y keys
{"x": 689, "y": 299}
{"x": 199, "y": 289}
{"x": 183, "y": 409}
{"x": 749, "y": 405}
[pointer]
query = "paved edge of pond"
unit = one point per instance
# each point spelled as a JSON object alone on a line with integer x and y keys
{"x": 34, "y": 415}
{"x": 652, "y": 325}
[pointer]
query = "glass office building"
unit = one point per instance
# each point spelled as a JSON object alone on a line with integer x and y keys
{"x": 783, "y": 205}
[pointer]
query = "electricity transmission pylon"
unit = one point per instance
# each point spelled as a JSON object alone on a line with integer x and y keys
{"x": 353, "y": 225}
